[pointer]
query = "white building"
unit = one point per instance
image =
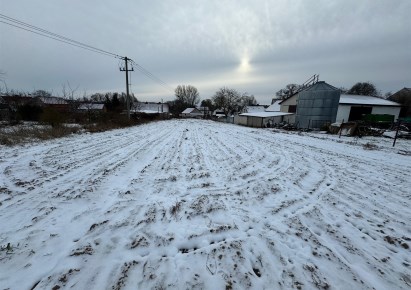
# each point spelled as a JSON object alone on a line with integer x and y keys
{"x": 353, "y": 107}
{"x": 262, "y": 119}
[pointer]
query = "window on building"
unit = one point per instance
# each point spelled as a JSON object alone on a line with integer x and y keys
{"x": 292, "y": 109}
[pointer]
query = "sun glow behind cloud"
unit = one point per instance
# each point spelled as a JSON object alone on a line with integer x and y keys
{"x": 245, "y": 66}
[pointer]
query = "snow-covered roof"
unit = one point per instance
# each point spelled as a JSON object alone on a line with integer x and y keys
{"x": 254, "y": 109}
{"x": 53, "y": 101}
{"x": 91, "y": 106}
{"x": 275, "y": 107}
{"x": 148, "y": 111}
{"x": 366, "y": 100}
{"x": 191, "y": 111}
{"x": 266, "y": 114}
{"x": 188, "y": 110}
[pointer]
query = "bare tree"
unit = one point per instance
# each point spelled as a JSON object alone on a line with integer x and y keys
{"x": 6, "y": 89}
{"x": 69, "y": 92}
{"x": 187, "y": 95}
{"x": 364, "y": 89}
{"x": 247, "y": 100}
{"x": 343, "y": 90}
{"x": 227, "y": 99}
{"x": 288, "y": 91}
{"x": 41, "y": 93}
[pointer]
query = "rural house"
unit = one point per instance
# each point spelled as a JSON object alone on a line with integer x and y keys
{"x": 55, "y": 103}
{"x": 192, "y": 113}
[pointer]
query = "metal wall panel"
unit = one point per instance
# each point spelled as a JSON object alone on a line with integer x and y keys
{"x": 317, "y": 105}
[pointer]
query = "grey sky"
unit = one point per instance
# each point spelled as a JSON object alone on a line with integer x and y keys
{"x": 253, "y": 46}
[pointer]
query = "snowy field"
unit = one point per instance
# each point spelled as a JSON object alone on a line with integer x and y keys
{"x": 192, "y": 204}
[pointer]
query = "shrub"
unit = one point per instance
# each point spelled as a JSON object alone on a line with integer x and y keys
{"x": 52, "y": 117}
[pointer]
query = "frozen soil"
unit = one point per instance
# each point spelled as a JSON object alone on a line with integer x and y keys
{"x": 190, "y": 204}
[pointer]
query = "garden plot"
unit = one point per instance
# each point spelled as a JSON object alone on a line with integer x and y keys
{"x": 190, "y": 204}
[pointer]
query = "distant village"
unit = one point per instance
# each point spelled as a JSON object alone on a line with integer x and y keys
{"x": 315, "y": 105}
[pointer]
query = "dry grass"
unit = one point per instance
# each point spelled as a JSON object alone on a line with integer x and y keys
{"x": 17, "y": 135}
{"x": 370, "y": 146}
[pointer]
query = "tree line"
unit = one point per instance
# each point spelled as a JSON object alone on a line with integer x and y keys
{"x": 360, "y": 88}
{"x": 226, "y": 99}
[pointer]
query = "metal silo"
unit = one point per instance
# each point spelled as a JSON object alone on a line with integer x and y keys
{"x": 317, "y": 105}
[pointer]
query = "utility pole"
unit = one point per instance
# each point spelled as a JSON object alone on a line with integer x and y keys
{"x": 126, "y": 59}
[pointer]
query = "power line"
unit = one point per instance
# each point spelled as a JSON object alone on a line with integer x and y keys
{"x": 151, "y": 76}
{"x": 45, "y": 33}
{"x": 56, "y": 39}
{"x": 37, "y": 30}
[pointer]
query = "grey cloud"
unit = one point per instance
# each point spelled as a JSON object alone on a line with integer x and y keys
{"x": 203, "y": 43}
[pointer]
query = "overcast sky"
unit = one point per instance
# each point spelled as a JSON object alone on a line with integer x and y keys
{"x": 253, "y": 46}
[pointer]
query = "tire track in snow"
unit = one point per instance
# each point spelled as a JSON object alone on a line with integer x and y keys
{"x": 242, "y": 207}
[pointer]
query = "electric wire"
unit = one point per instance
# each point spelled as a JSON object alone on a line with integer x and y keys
{"x": 55, "y": 36}
{"x": 151, "y": 76}
{"x": 45, "y": 33}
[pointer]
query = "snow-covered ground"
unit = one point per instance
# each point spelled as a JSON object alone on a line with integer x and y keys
{"x": 191, "y": 204}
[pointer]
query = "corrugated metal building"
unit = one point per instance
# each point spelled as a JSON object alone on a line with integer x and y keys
{"x": 317, "y": 105}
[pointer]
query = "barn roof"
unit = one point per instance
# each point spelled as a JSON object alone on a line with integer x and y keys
{"x": 254, "y": 109}
{"x": 275, "y": 107}
{"x": 53, "y": 101}
{"x": 188, "y": 110}
{"x": 366, "y": 100}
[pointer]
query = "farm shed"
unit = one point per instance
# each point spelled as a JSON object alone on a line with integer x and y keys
{"x": 150, "y": 108}
{"x": 354, "y": 107}
{"x": 191, "y": 113}
{"x": 262, "y": 119}
{"x": 317, "y": 105}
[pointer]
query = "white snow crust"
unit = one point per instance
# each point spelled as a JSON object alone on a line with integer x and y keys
{"x": 192, "y": 204}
